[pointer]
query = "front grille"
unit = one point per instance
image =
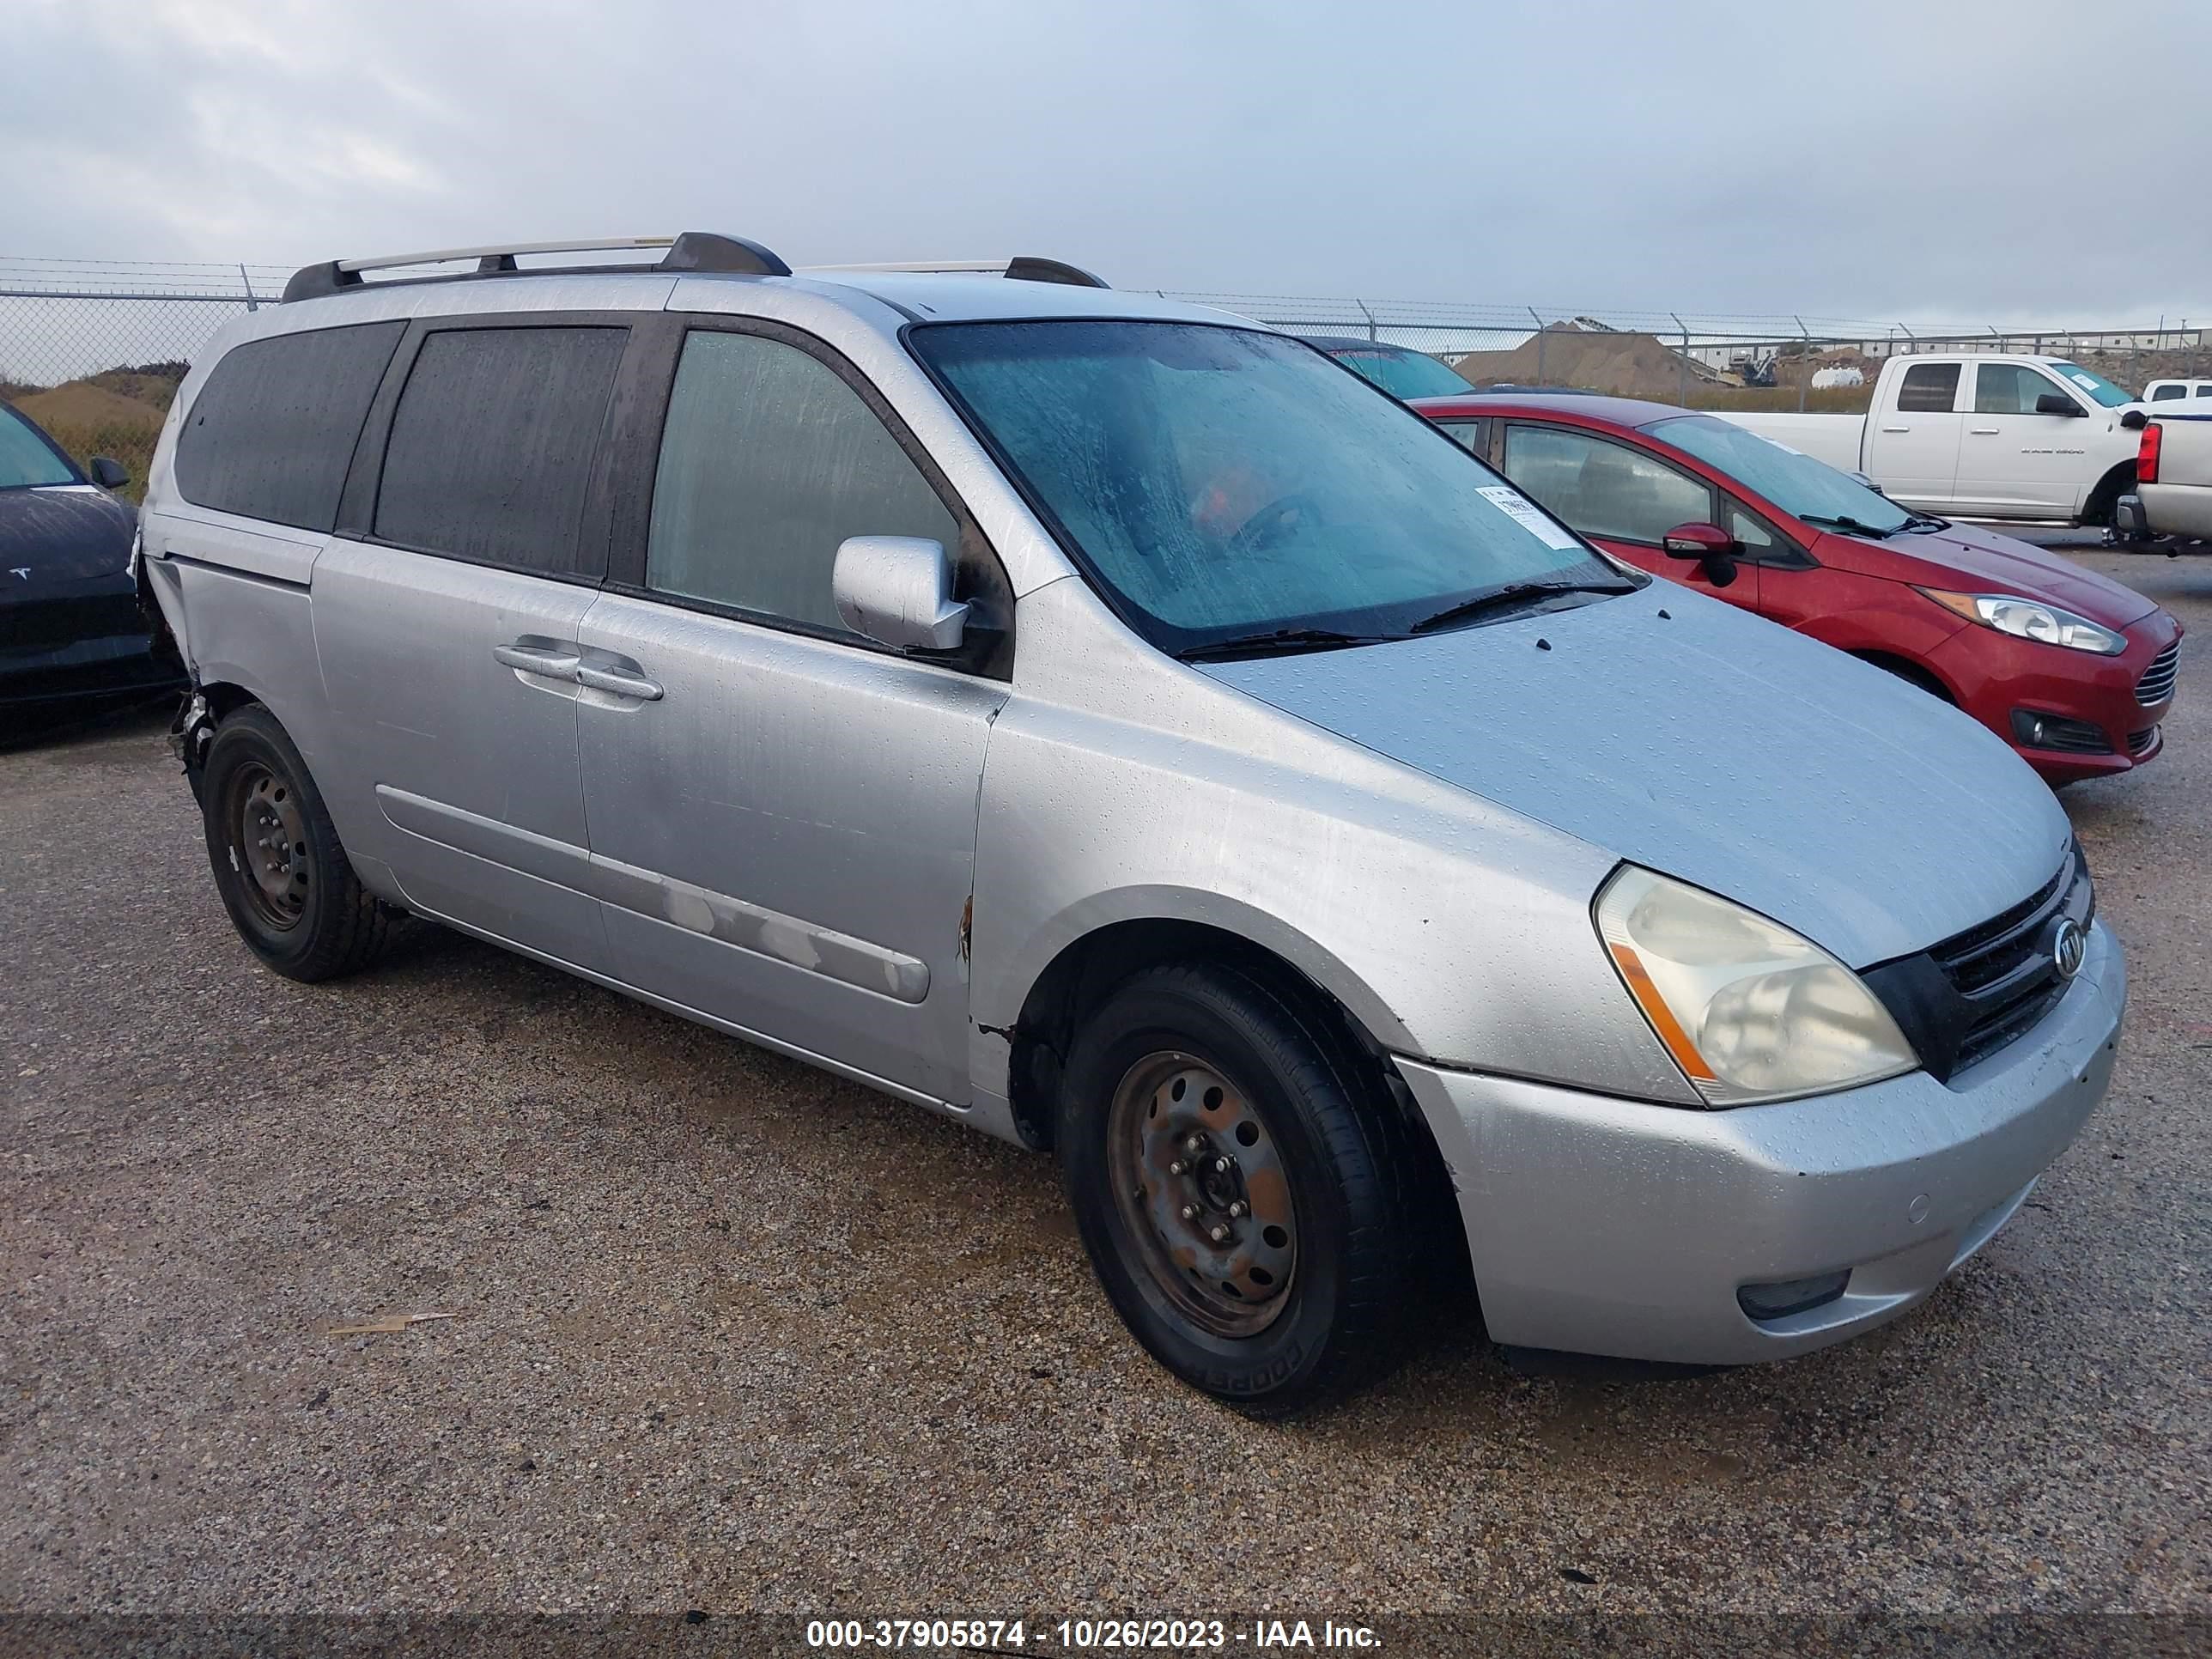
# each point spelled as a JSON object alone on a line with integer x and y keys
{"x": 1961, "y": 1001}
{"x": 2139, "y": 741}
{"x": 2156, "y": 684}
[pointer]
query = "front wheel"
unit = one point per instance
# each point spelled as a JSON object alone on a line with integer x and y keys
{"x": 1243, "y": 1185}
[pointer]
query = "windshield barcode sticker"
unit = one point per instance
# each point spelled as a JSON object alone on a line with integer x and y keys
{"x": 1526, "y": 513}
{"x": 2085, "y": 381}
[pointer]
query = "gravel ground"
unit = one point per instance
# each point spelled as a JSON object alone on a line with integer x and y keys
{"x": 732, "y": 1334}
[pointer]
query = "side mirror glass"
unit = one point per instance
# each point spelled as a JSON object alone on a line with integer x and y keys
{"x": 2135, "y": 420}
{"x": 2056, "y": 403}
{"x": 897, "y": 591}
{"x": 107, "y": 473}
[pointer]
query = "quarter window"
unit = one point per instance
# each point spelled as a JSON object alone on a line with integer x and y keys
{"x": 1928, "y": 389}
{"x": 768, "y": 461}
{"x": 271, "y": 434}
{"x": 1471, "y": 436}
{"x": 492, "y": 446}
{"x": 1603, "y": 489}
{"x": 2160, "y": 394}
{"x": 2009, "y": 389}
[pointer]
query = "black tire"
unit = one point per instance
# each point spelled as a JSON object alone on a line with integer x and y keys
{"x": 284, "y": 878}
{"x": 1318, "y": 1114}
{"x": 1912, "y": 674}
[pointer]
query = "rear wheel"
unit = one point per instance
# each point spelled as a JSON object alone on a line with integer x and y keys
{"x": 278, "y": 865}
{"x": 1243, "y": 1185}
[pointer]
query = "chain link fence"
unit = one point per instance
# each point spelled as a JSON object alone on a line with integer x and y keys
{"x": 1702, "y": 359}
{"x": 94, "y": 349}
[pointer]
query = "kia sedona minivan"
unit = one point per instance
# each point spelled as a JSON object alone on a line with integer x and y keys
{"x": 1118, "y": 727}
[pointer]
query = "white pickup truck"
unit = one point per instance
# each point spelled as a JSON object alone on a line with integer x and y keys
{"x": 1980, "y": 435}
{"x": 2172, "y": 494}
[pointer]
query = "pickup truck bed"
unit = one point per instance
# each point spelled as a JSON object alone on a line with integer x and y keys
{"x": 2179, "y": 502}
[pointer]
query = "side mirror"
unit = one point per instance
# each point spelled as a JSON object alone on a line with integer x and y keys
{"x": 108, "y": 474}
{"x": 1865, "y": 483}
{"x": 1708, "y": 543}
{"x": 1698, "y": 541}
{"x": 897, "y": 591}
{"x": 2056, "y": 403}
{"x": 2135, "y": 420}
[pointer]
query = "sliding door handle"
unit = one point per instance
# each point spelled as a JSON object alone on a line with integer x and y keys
{"x": 623, "y": 682}
{"x": 547, "y": 660}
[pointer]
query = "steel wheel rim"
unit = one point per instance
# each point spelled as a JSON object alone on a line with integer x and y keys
{"x": 268, "y": 845}
{"x": 1202, "y": 1192}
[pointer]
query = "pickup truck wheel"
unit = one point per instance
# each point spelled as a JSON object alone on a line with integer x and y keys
{"x": 283, "y": 877}
{"x": 1243, "y": 1188}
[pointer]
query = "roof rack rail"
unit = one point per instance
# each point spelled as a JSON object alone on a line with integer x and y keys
{"x": 1023, "y": 268}
{"x": 695, "y": 250}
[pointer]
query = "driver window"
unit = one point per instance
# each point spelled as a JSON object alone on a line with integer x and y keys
{"x": 2009, "y": 389}
{"x": 1603, "y": 489}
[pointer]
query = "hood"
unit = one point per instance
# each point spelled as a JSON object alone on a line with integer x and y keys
{"x": 1713, "y": 745}
{"x": 60, "y": 534}
{"x": 1968, "y": 559}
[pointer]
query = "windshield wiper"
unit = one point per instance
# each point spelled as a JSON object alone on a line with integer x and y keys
{"x": 1926, "y": 521}
{"x": 1511, "y": 597}
{"x": 1277, "y": 643}
{"x": 1854, "y": 526}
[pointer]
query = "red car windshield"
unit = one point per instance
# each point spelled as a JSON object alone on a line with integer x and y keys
{"x": 1798, "y": 484}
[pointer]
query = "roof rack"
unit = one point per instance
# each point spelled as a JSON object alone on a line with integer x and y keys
{"x": 695, "y": 250}
{"x": 1023, "y": 268}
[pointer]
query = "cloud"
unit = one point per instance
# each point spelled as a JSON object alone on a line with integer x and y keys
{"x": 1867, "y": 160}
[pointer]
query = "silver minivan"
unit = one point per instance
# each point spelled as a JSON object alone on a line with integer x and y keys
{"x": 1117, "y": 726}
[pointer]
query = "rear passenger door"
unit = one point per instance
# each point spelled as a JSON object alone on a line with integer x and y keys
{"x": 447, "y": 615}
{"x": 783, "y": 812}
{"x": 1913, "y": 451}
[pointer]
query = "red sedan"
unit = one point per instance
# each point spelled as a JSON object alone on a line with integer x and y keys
{"x": 2072, "y": 668}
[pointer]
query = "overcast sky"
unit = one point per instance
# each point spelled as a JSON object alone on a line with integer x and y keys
{"x": 1949, "y": 159}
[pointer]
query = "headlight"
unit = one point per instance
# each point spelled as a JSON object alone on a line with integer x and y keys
{"x": 2031, "y": 619}
{"x": 1749, "y": 1010}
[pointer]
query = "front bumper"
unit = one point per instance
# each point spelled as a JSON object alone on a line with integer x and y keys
{"x": 78, "y": 640}
{"x": 1606, "y": 1226}
{"x": 1993, "y": 674}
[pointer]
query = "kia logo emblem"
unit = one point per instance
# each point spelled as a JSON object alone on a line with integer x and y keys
{"x": 2069, "y": 945}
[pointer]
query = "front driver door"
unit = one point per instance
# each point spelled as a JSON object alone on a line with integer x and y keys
{"x": 2014, "y": 461}
{"x": 782, "y": 813}
{"x": 1623, "y": 500}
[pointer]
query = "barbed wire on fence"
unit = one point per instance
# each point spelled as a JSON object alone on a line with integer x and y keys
{"x": 64, "y": 319}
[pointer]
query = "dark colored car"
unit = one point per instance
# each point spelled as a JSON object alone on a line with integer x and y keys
{"x": 2073, "y": 670}
{"x": 70, "y": 626}
{"x": 1399, "y": 371}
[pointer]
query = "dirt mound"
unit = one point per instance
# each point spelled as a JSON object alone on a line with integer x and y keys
{"x": 149, "y": 383}
{"x": 1626, "y": 365}
{"x": 89, "y": 407}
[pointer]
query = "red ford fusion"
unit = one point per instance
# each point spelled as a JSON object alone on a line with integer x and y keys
{"x": 2073, "y": 670}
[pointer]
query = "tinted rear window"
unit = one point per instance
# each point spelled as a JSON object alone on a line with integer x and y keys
{"x": 1928, "y": 389}
{"x": 273, "y": 431}
{"x": 491, "y": 446}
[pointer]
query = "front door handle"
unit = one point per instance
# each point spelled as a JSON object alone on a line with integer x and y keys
{"x": 550, "y": 661}
{"x": 1984, "y": 431}
{"x": 622, "y": 682}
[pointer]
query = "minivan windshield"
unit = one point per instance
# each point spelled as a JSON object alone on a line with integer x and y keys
{"x": 2094, "y": 383}
{"x": 1795, "y": 483}
{"x": 26, "y": 460}
{"x": 1223, "y": 484}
